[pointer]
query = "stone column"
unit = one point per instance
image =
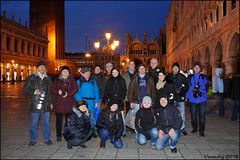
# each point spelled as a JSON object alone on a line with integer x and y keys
{"x": 220, "y": 15}
{"x": 19, "y": 46}
{"x": 3, "y": 41}
{"x": 228, "y": 67}
{"x": 11, "y": 43}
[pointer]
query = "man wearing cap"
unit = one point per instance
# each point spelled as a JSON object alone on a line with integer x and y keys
{"x": 88, "y": 91}
{"x": 38, "y": 86}
{"x": 197, "y": 97}
{"x": 64, "y": 88}
{"x": 179, "y": 82}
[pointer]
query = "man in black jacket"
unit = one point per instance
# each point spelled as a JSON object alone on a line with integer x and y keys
{"x": 170, "y": 122}
{"x": 181, "y": 85}
{"x": 38, "y": 87}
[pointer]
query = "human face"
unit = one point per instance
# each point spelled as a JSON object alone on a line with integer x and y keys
{"x": 132, "y": 65}
{"x": 65, "y": 73}
{"x": 141, "y": 70}
{"x": 115, "y": 73}
{"x": 109, "y": 68}
{"x": 175, "y": 70}
{"x": 153, "y": 63}
{"x": 97, "y": 70}
{"x": 42, "y": 69}
{"x": 86, "y": 75}
{"x": 163, "y": 101}
{"x": 146, "y": 105}
{"x": 82, "y": 108}
{"x": 113, "y": 107}
{"x": 197, "y": 69}
{"x": 161, "y": 76}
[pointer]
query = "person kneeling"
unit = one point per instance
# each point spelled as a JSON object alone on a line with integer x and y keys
{"x": 146, "y": 123}
{"x": 78, "y": 129}
{"x": 170, "y": 122}
{"x": 110, "y": 125}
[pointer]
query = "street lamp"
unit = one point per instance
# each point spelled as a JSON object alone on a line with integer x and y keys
{"x": 108, "y": 47}
{"x": 12, "y": 71}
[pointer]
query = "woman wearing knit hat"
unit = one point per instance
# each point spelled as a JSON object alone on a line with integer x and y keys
{"x": 110, "y": 125}
{"x": 170, "y": 122}
{"x": 64, "y": 88}
{"x": 146, "y": 123}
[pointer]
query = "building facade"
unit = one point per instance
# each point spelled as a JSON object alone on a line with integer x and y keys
{"x": 21, "y": 48}
{"x": 207, "y": 31}
{"x": 143, "y": 51}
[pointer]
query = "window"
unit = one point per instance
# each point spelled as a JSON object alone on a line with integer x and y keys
{"x": 22, "y": 47}
{"x": 15, "y": 45}
{"x": 211, "y": 17}
{"x": 8, "y": 43}
{"x": 233, "y": 4}
{"x": 217, "y": 16}
{"x": 28, "y": 48}
{"x": 224, "y": 8}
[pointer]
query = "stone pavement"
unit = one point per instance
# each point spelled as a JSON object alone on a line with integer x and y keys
{"x": 221, "y": 139}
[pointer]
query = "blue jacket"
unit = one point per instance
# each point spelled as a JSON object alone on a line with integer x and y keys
{"x": 203, "y": 83}
{"x": 88, "y": 91}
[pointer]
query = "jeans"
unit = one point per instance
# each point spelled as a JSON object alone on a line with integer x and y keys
{"x": 167, "y": 140}
{"x": 235, "y": 109}
{"x": 59, "y": 120}
{"x": 141, "y": 139}
{"x": 181, "y": 107}
{"x": 198, "y": 110}
{"x": 124, "y": 123}
{"x": 104, "y": 134}
{"x": 34, "y": 118}
{"x": 91, "y": 119}
{"x": 221, "y": 105}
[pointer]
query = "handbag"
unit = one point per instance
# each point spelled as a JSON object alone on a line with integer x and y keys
{"x": 131, "y": 115}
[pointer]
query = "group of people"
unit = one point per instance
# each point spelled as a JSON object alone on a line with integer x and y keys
{"x": 158, "y": 98}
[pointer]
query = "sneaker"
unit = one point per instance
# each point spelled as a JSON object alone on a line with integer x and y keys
{"x": 59, "y": 139}
{"x": 201, "y": 134}
{"x": 49, "y": 142}
{"x": 69, "y": 145}
{"x": 194, "y": 131}
{"x": 102, "y": 145}
{"x": 174, "y": 150}
{"x": 32, "y": 143}
{"x": 184, "y": 133}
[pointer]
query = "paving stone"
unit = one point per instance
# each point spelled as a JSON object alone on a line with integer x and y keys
{"x": 83, "y": 155}
{"x": 190, "y": 153}
{"x": 153, "y": 156}
{"x": 62, "y": 155}
{"x": 107, "y": 152}
{"x": 128, "y": 153}
{"x": 198, "y": 146}
{"x": 105, "y": 157}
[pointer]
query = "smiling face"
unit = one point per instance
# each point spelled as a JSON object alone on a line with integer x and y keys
{"x": 82, "y": 108}
{"x": 197, "y": 69}
{"x": 86, "y": 75}
{"x": 115, "y": 73}
{"x": 163, "y": 101}
{"x": 161, "y": 76}
{"x": 154, "y": 63}
{"x": 42, "y": 69}
{"x": 175, "y": 69}
{"x": 146, "y": 105}
{"x": 97, "y": 70}
{"x": 65, "y": 73}
{"x": 141, "y": 70}
{"x": 114, "y": 107}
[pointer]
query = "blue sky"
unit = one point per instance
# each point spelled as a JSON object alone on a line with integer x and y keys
{"x": 97, "y": 17}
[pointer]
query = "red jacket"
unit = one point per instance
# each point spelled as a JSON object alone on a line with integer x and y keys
{"x": 60, "y": 104}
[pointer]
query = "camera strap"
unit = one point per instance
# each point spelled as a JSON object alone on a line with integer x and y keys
{"x": 195, "y": 80}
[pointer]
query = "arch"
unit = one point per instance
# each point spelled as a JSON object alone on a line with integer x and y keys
{"x": 234, "y": 53}
{"x": 218, "y": 54}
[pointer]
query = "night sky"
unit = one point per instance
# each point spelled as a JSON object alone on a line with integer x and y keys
{"x": 97, "y": 17}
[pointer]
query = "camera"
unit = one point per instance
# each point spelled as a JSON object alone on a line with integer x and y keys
{"x": 41, "y": 99}
{"x": 64, "y": 92}
{"x": 196, "y": 92}
{"x": 170, "y": 97}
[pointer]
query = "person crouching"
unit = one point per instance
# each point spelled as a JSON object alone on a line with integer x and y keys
{"x": 78, "y": 129}
{"x": 110, "y": 125}
{"x": 170, "y": 122}
{"x": 146, "y": 123}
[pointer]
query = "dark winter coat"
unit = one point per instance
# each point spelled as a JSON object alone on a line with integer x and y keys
{"x": 180, "y": 84}
{"x": 169, "y": 90}
{"x": 145, "y": 120}
{"x": 154, "y": 73}
{"x": 34, "y": 82}
{"x": 78, "y": 125}
{"x": 169, "y": 117}
{"x": 60, "y": 104}
{"x": 235, "y": 93}
{"x": 127, "y": 76}
{"x": 133, "y": 90}
{"x": 113, "y": 123}
{"x": 101, "y": 82}
{"x": 116, "y": 90}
